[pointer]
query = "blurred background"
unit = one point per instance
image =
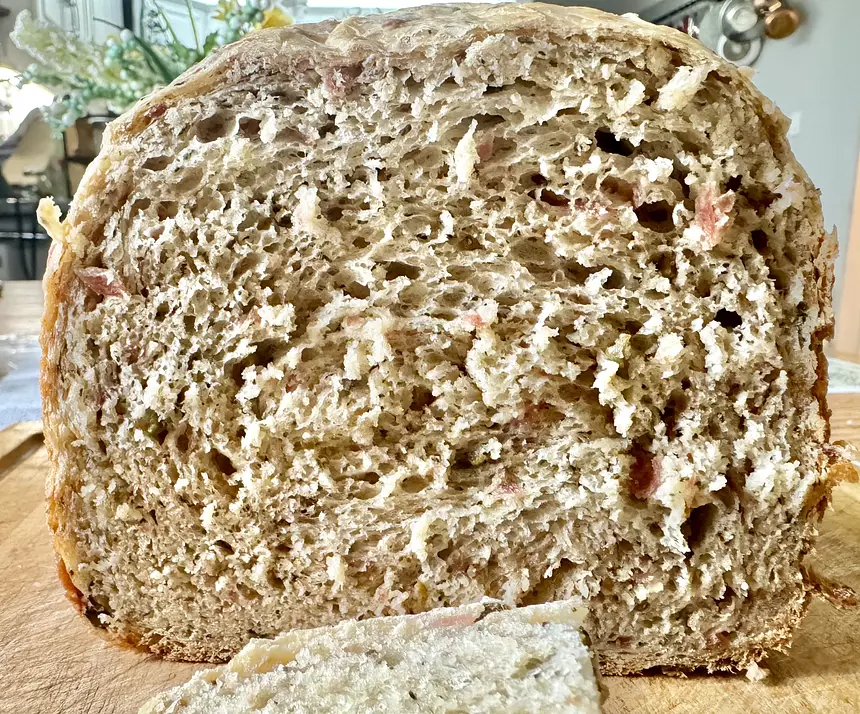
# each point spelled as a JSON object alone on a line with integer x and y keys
{"x": 85, "y": 61}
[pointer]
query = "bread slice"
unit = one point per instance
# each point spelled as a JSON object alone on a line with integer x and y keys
{"x": 478, "y": 659}
{"x": 370, "y": 318}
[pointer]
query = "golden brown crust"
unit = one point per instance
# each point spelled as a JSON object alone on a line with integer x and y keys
{"x": 402, "y": 38}
{"x": 722, "y": 659}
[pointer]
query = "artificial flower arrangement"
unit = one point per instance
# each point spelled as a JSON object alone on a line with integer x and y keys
{"x": 87, "y": 78}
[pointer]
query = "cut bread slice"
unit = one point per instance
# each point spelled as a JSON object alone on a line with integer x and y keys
{"x": 370, "y": 318}
{"x": 480, "y": 659}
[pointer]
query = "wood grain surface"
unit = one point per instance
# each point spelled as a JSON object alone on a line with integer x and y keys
{"x": 53, "y": 662}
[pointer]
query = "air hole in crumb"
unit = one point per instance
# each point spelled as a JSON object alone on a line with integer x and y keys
{"x": 157, "y": 163}
{"x": 214, "y": 127}
{"x": 222, "y": 485}
{"x": 611, "y": 144}
{"x": 680, "y": 174}
{"x": 717, "y": 427}
{"x": 469, "y": 243}
{"x": 461, "y": 272}
{"x": 357, "y": 290}
{"x": 182, "y": 443}
{"x": 704, "y": 283}
{"x": 538, "y": 179}
{"x": 486, "y": 121}
{"x": 631, "y": 327}
{"x": 675, "y": 406}
{"x": 236, "y": 371}
{"x": 370, "y": 477}
{"x": 551, "y": 198}
{"x": 247, "y": 593}
{"x": 553, "y": 587}
{"x": 463, "y": 459}
{"x": 656, "y": 216}
{"x": 396, "y": 269}
{"x": 309, "y": 354}
{"x": 190, "y": 181}
{"x": 734, "y": 183}
{"x": 360, "y": 242}
{"x": 666, "y": 266}
{"x": 249, "y": 128}
{"x": 729, "y": 319}
{"x": 167, "y": 209}
{"x": 333, "y": 214}
{"x": 759, "y": 240}
{"x": 699, "y": 524}
{"x": 586, "y": 378}
{"x": 578, "y": 273}
{"x": 414, "y": 484}
{"x": 615, "y": 281}
{"x": 780, "y": 278}
{"x": 453, "y": 298}
{"x": 267, "y": 352}
{"x": 275, "y": 582}
{"x": 224, "y": 545}
{"x": 421, "y": 399}
{"x": 366, "y": 491}
{"x": 759, "y": 197}
{"x": 643, "y": 344}
{"x": 727, "y": 496}
{"x": 616, "y": 189}
{"x": 445, "y": 553}
{"x": 246, "y": 264}
{"x": 223, "y": 462}
{"x": 139, "y": 206}
{"x": 571, "y": 393}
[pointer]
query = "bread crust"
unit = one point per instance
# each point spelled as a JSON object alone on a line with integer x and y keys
{"x": 404, "y": 38}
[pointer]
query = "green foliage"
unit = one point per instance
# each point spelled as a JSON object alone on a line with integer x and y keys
{"x": 114, "y": 75}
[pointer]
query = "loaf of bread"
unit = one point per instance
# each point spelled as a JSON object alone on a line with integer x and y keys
{"x": 479, "y": 659}
{"x": 376, "y": 317}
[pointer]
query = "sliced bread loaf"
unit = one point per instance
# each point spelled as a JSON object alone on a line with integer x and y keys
{"x": 479, "y": 659}
{"x": 370, "y": 318}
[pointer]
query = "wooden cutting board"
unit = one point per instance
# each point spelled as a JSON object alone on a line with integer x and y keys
{"x": 52, "y": 661}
